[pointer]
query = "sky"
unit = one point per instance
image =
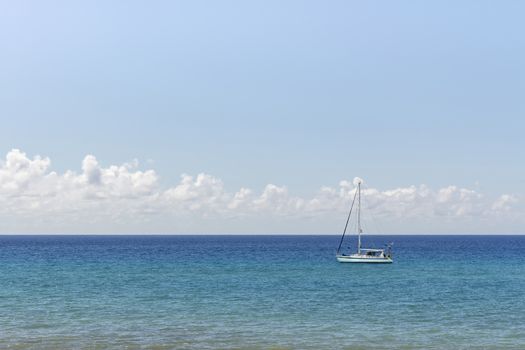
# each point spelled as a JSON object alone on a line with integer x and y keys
{"x": 257, "y": 116}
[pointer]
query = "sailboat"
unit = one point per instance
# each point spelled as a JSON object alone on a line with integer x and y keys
{"x": 363, "y": 255}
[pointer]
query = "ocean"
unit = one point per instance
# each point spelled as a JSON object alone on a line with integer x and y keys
{"x": 260, "y": 292}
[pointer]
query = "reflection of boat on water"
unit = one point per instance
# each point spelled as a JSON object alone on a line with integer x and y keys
{"x": 363, "y": 255}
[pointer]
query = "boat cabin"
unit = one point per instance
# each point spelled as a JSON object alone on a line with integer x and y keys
{"x": 374, "y": 253}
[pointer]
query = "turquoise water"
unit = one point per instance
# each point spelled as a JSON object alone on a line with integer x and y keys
{"x": 260, "y": 292}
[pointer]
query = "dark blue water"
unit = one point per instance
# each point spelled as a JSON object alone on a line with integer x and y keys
{"x": 243, "y": 292}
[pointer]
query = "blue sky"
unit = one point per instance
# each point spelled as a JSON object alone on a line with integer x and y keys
{"x": 300, "y": 94}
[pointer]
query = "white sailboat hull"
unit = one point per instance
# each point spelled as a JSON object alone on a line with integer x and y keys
{"x": 360, "y": 258}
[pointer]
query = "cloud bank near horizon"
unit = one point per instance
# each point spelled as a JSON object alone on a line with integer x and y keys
{"x": 123, "y": 198}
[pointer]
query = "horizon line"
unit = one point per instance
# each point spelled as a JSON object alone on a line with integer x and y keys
{"x": 259, "y": 234}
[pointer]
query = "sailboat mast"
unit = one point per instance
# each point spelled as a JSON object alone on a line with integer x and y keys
{"x": 346, "y": 225}
{"x": 359, "y": 219}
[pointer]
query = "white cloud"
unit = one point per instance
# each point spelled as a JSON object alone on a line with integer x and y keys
{"x": 504, "y": 203}
{"x": 17, "y": 172}
{"x": 91, "y": 170}
{"x": 34, "y": 198}
{"x": 205, "y": 192}
{"x": 241, "y": 198}
{"x": 28, "y": 187}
